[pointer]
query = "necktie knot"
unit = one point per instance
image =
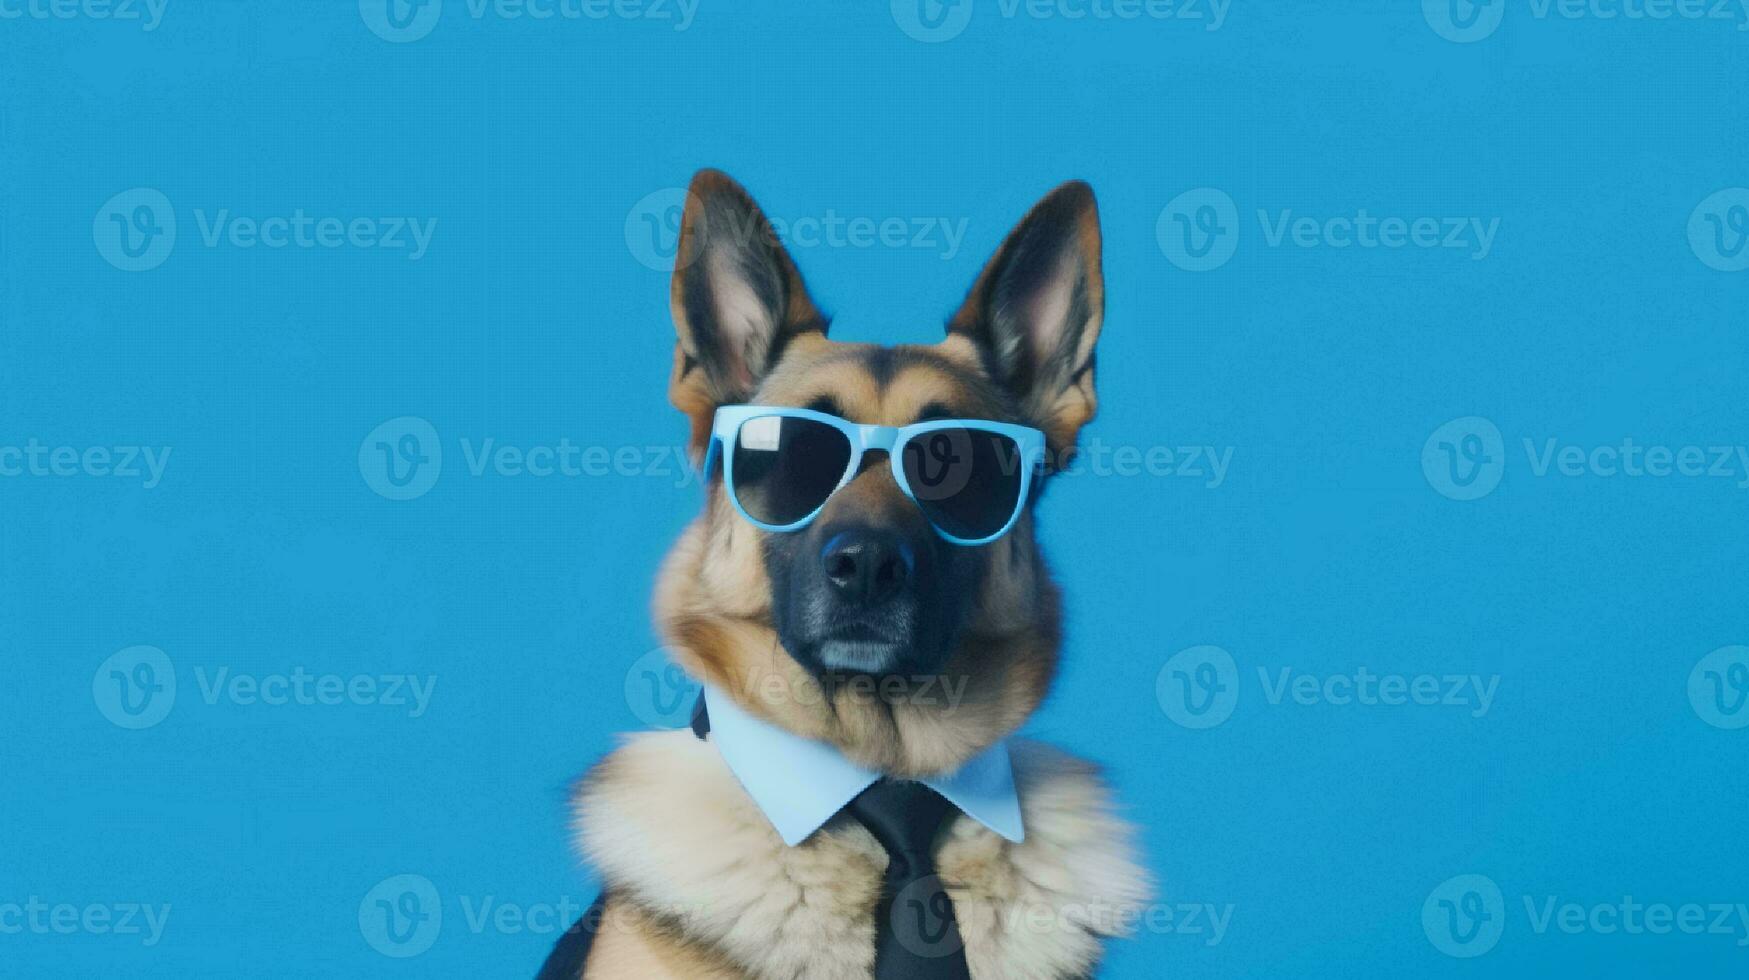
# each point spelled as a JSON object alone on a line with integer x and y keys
{"x": 904, "y": 816}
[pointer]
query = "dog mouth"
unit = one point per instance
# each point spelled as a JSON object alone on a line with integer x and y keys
{"x": 860, "y": 657}
{"x": 861, "y": 648}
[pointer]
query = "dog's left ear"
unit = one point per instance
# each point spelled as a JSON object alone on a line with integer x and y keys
{"x": 1036, "y": 309}
{"x": 736, "y": 297}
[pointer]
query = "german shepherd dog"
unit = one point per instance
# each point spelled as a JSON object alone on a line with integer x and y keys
{"x": 892, "y": 630}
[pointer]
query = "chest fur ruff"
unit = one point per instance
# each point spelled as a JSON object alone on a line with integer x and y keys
{"x": 670, "y": 829}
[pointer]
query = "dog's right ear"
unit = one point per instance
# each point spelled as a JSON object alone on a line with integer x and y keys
{"x": 737, "y": 300}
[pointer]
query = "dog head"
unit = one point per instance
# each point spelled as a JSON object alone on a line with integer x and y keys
{"x": 866, "y": 628}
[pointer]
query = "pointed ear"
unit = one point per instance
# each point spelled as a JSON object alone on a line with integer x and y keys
{"x": 1036, "y": 310}
{"x": 737, "y": 300}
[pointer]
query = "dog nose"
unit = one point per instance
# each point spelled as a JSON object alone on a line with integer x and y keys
{"x": 867, "y": 565}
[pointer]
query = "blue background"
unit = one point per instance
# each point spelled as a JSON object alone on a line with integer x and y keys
{"x": 532, "y": 318}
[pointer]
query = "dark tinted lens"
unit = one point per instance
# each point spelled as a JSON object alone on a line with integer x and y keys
{"x": 966, "y": 480}
{"x": 786, "y": 467}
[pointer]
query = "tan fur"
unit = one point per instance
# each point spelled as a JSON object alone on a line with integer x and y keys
{"x": 631, "y": 943}
{"x": 711, "y": 600}
{"x": 672, "y": 832}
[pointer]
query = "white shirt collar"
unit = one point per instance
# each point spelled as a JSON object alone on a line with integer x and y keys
{"x": 799, "y": 783}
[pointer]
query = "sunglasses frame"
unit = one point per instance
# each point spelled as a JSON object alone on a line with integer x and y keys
{"x": 726, "y": 435}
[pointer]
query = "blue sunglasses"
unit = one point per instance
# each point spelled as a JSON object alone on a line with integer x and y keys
{"x": 971, "y": 478}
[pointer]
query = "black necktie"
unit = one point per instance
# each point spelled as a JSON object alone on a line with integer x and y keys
{"x": 915, "y": 932}
{"x": 916, "y": 935}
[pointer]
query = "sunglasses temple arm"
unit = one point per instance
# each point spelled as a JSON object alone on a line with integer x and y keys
{"x": 711, "y": 453}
